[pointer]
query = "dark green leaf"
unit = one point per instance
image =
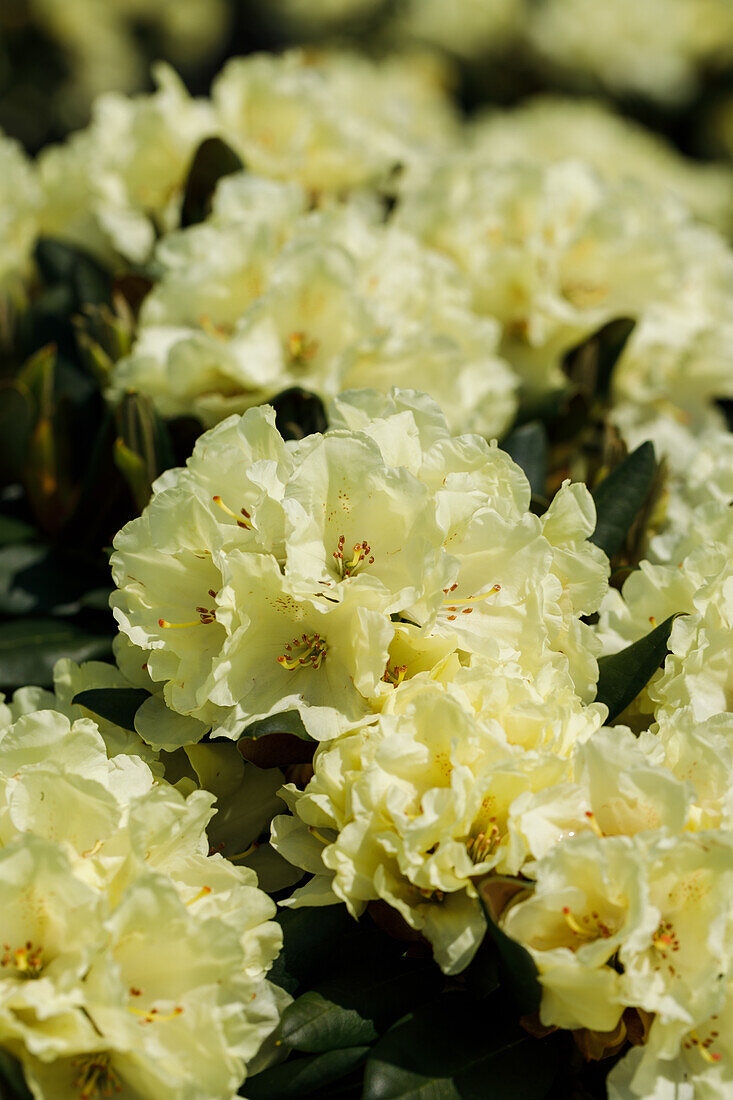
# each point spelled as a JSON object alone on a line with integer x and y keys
{"x": 60, "y": 263}
{"x": 37, "y": 580}
{"x": 304, "y": 1076}
{"x": 517, "y": 971}
{"x": 590, "y": 364}
{"x": 288, "y": 721}
{"x": 29, "y": 648}
{"x": 213, "y": 160}
{"x": 311, "y": 941}
{"x": 12, "y": 1081}
{"x": 17, "y": 417}
{"x": 383, "y": 987}
{"x": 359, "y": 999}
{"x": 314, "y": 1024}
{"x": 118, "y": 705}
{"x": 456, "y": 1048}
{"x": 298, "y": 413}
{"x": 143, "y": 448}
{"x": 14, "y": 531}
{"x": 620, "y": 497}
{"x": 623, "y": 675}
{"x": 527, "y": 445}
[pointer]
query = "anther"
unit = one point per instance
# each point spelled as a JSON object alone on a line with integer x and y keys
{"x": 309, "y": 649}
{"x": 242, "y": 520}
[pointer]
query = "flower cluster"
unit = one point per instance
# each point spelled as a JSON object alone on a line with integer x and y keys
{"x": 316, "y": 575}
{"x": 132, "y": 961}
{"x": 264, "y": 296}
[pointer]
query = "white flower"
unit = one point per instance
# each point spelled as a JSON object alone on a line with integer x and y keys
{"x": 591, "y": 901}
{"x": 552, "y": 251}
{"x": 268, "y": 577}
{"x": 130, "y": 955}
{"x": 112, "y": 187}
{"x": 411, "y": 809}
{"x": 331, "y": 121}
{"x": 262, "y": 297}
{"x": 19, "y": 202}
{"x": 657, "y": 49}
{"x": 549, "y": 128}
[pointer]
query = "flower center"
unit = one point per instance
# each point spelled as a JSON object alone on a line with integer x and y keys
{"x": 362, "y": 556}
{"x": 309, "y": 649}
{"x": 96, "y": 1076}
{"x": 481, "y": 846}
{"x": 589, "y": 927}
{"x": 206, "y": 616}
{"x": 394, "y": 675}
{"x": 26, "y": 960}
{"x": 301, "y": 349}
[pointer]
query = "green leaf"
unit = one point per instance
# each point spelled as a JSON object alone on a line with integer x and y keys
{"x": 288, "y": 721}
{"x": 213, "y": 160}
{"x": 516, "y": 967}
{"x": 310, "y": 937}
{"x": 303, "y": 1076}
{"x": 143, "y": 448}
{"x": 118, "y": 705}
{"x": 298, "y": 413}
{"x": 527, "y": 445}
{"x": 60, "y": 263}
{"x": 14, "y": 531}
{"x": 456, "y": 1048}
{"x": 623, "y": 675}
{"x": 620, "y": 497}
{"x": 358, "y": 1000}
{"x": 12, "y": 1081}
{"x": 590, "y": 364}
{"x": 37, "y": 580}
{"x": 314, "y": 1024}
{"x": 17, "y": 416}
{"x": 29, "y": 648}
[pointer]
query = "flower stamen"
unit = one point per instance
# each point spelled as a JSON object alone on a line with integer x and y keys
{"x": 309, "y": 649}
{"x": 96, "y": 1076}
{"x": 362, "y": 555}
{"x": 27, "y": 960}
{"x": 243, "y": 519}
{"x": 589, "y": 927}
{"x": 394, "y": 675}
{"x": 301, "y": 349}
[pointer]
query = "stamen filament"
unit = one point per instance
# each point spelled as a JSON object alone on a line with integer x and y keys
{"x": 243, "y": 519}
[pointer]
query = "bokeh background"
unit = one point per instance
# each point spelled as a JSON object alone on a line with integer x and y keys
{"x": 666, "y": 63}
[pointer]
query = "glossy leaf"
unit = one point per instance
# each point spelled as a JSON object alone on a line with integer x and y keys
{"x": 303, "y": 1076}
{"x": 118, "y": 705}
{"x": 29, "y": 648}
{"x": 621, "y": 676}
{"x": 143, "y": 448}
{"x": 516, "y": 967}
{"x": 456, "y": 1048}
{"x": 288, "y": 721}
{"x": 620, "y": 498}
{"x": 527, "y": 445}
{"x": 13, "y": 531}
{"x": 12, "y": 1081}
{"x": 315, "y": 1024}
{"x": 298, "y": 413}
